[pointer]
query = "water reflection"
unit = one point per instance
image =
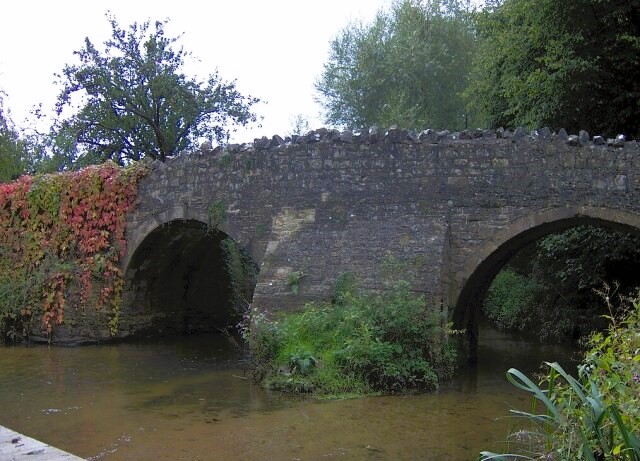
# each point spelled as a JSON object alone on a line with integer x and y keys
{"x": 190, "y": 400}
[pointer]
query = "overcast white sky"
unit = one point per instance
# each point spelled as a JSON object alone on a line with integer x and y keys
{"x": 274, "y": 49}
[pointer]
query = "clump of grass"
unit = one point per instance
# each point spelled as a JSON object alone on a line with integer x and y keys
{"x": 359, "y": 344}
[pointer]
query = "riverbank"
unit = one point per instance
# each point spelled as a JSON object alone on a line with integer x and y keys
{"x": 18, "y": 447}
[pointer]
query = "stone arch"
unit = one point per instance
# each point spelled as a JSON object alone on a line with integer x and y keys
{"x": 468, "y": 288}
{"x": 177, "y": 213}
{"x": 182, "y": 277}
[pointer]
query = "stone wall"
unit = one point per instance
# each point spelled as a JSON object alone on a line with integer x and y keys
{"x": 453, "y": 206}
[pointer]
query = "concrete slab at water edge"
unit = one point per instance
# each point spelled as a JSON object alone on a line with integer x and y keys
{"x": 17, "y": 447}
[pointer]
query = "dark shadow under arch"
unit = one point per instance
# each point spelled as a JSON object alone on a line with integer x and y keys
{"x": 185, "y": 278}
{"x": 497, "y": 253}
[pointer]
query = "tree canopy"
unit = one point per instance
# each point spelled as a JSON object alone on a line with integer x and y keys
{"x": 560, "y": 64}
{"x": 407, "y": 68}
{"x": 11, "y": 150}
{"x": 441, "y": 64}
{"x": 132, "y": 100}
{"x": 19, "y": 154}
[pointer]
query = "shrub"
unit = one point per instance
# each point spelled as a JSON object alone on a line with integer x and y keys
{"x": 595, "y": 417}
{"x": 390, "y": 342}
{"x": 510, "y": 300}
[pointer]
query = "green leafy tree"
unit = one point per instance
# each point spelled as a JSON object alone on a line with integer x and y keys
{"x": 12, "y": 152}
{"x": 561, "y": 64}
{"x": 20, "y": 153}
{"x": 132, "y": 100}
{"x": 407, "y": 68}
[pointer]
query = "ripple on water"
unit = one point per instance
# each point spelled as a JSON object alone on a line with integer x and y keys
{"x": 186, "y": 401}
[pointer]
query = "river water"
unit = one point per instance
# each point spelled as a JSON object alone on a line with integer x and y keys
{"x": 189, "y": 399}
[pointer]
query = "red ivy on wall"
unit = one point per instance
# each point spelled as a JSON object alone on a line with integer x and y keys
{"x": 70, "y": 229}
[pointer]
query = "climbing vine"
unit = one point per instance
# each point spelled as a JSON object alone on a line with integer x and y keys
{"x": 59, "y": 235}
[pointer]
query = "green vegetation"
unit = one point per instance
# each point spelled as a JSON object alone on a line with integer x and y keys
{"x": 242, "y": 273}
{"x": 19, "y": 154}
{"x": 510, "y": 300}
{"x": 549, "y": 288}
{"x": 407, "y": 68}
{"x": 293, "y": 281}
{"x": 595, "y": 417}
{"x": 558, "y": 64}
{"x": 138, "y": 103}
{"x": 216, "y": 215}
{"x": 20, "y": 296}
{"x": 12, "y": 152}
{"x": 360, "y": 344}
{"x": 126, "y": 101}
{"x": 510, "y": 63}
{"x": 62, "y": 238}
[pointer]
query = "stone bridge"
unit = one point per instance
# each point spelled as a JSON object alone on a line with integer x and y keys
{"x": 450, "y": 207}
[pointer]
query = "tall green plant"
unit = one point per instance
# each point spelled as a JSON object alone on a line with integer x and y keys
{"x": 577, "y": 423}
{"x": 595, "y": 417}
{"x": 12, "y": 148}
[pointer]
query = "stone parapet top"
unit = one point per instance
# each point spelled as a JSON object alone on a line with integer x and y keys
{"x": 394, "y": 135}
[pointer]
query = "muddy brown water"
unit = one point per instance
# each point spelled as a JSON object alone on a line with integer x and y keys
{"x": 189, "y": 399}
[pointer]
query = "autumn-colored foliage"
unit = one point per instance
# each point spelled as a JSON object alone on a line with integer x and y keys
{"x": 58, "y": 235}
